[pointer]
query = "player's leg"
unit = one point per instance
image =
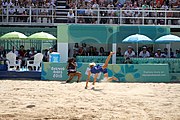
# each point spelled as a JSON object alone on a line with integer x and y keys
{"x": 107, "y": 78}
{"x": 71, "y": 75}
{"x": 78, "y": 74}
{"x": 87, "y": 81}
{"x": 107, "y": 60}
{"x": 95, "y": 78}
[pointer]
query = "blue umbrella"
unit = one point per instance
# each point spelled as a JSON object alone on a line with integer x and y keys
{"x": 168, "y": 39}
{"x": 137, "y": 38}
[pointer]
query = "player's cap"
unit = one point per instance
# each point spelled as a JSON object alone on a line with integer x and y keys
{"x": 158, "y": 49}
{"x": 92, "y": 64}
{"x": 144, "y": 47}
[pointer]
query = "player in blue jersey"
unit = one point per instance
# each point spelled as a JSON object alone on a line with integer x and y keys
{"x": 96, "y": 69}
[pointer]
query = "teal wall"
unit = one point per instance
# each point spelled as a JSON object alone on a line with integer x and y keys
{"x": 106, "y": 33}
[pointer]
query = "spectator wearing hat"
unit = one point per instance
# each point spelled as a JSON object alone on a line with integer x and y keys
{"x": 144, "y": 53}
{"x": 129, "y": 53}
{"x": 158, "y": 54}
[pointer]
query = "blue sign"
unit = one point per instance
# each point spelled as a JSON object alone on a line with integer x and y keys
{"x": 54, "y": 57}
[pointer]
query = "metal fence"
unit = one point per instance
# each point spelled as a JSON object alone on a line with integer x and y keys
{"x": 51, "y": 16}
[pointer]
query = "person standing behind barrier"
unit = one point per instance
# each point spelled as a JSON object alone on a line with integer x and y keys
{"x": 118, "y": 53}
{"x": 101, "y": 51}
{"x": 129, "y": 53}
{"x": 144, "y": 53}
{"x": 22, "y": 52}
{"x": 72, "y": 70}
{"x": 49, "y": 52}
{"x": 158, "y": 54}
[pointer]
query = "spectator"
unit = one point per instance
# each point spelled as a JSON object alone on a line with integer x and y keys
{"x": 144, "y": 53}
{"x": 95, "y": 5}
{"x": 101, "y": 51}
{"x": 20, "y": 12}
{"x": 88, "y": 13}
{"x": 118, "y": 53}
{"x": 70, "y": 16}
{"x": 103, "y": 13}
{"x": 158, "y": 54}
{"x": 127, "y": 13}
{"x": 22, "y": 51}
{"x": 128, "y": 61}
{"x": 177, "y": 55}
{"x": 48, "y": 53}
{"x": 22, "y": 55}
{"x": 136, "y": 13}
{"x": 2, "y": 53}
{"x": 84, "y": 46}
{"x": 32, "y": 53}
{"x": 150, "y": 50}
{"x": 15, "y": 51}
{"x": 75, "y": 49}
{"x": 95, "y": 51}
{"x": 45, "y": 56}
{"x": 129, "y": 53}
{"x": 81, "y": 51}
{"x": 27, "y": 55}
{"x": 165, "y": 53}
{"x": 91, "y": 51}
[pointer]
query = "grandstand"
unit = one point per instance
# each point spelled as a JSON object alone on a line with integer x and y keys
{"x": 125, "y": 12}
{"x": 50, "y": 13}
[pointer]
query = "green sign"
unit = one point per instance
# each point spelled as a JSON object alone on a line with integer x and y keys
{"x": 124, "y": 72}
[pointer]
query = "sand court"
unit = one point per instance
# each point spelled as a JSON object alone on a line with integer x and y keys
{"x": 25, "y": 100}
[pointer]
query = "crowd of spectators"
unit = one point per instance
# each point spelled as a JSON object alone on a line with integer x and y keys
{"x": 143, "y": 52}
{"x": 41, "y": 11}
{"x": 88, "y": 11}
{"x": 19, "y": 10}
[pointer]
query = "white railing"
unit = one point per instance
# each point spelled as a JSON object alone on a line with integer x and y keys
{"x": 50, "y": 16}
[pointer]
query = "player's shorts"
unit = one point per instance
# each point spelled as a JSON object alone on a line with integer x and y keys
{"x": 98, "y": 69}
{"x": 104, "y": 71}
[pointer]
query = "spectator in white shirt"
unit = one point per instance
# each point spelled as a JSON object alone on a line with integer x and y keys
{"x": 129, "y": 53}
{"x": 158, "y": 54}
{"x": 144, "y": 53}
{"x": 14, "y": 51}
{"x": 95, "y": 5}
{"x": 70, "y": 16}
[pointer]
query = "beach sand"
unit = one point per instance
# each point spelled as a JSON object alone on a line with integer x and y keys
{"x": 52, "y": 100}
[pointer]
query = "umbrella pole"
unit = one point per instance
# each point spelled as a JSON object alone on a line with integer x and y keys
{"x": 137, "y": 49}
{"x": 41, "y": 46}
{"x": 169, "y": 51}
